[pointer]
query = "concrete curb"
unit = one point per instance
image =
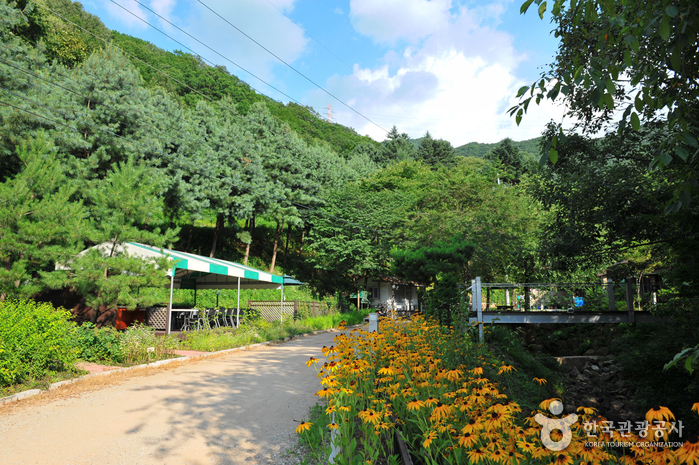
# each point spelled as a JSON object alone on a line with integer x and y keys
{"x": 54, "y": 386}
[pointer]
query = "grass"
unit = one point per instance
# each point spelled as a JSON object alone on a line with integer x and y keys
{"x": 263, "y": 331}
{"x": 40, "y": 383}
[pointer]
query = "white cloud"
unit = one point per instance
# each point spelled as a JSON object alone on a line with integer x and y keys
{"x": 121, "y": 13}
{"x": 458, "y": 83}
{"x": 392, "y": 20}
{"x": 259, "y": 20}
{"x": 163, "y": 7}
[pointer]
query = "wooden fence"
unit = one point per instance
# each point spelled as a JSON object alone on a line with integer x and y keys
{"x": 271, "y": 310}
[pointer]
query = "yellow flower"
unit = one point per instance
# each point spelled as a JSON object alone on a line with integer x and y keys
{"x": 369, "y": 416}
{"x": 476, "y": 455}
{"x": 303, "y": 427}
{"x": 587, "y": 410}
{"x": 311, "y": 361}
{"x": 467, "y": 439}
{"x": 333, "y": 425}
{"x": 415, "y": 404}
{"x": 430, "y": 401}
{"x": 325, "y": 392}
{"x": 659, "y": 413}
{"x": 689, "y": 452}
{"x": 441, "y": 411}
{"x": 695, "y": 407}
{"x": 545, "y": 404}
{"x": 329, "y": 410}
{"x": 428, "y": 440}
{"x": 541, "y": 381}
{"x": 506, "y": 369}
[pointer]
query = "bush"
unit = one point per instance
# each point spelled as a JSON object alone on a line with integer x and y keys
{"x": 136, "y": 341}
{"x": 36, "y": 340}
{"x": 95, "y": 345}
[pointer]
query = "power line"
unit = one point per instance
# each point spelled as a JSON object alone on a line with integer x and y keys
{"x": 291, "y": 67}
{"x": 342, "y": 61}
{"x": 127, "y": 53}
{"x": 202, "y": 43}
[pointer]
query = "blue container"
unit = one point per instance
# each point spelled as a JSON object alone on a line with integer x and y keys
{"x": 579, "y": 301}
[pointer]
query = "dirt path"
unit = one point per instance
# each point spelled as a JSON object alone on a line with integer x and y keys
{"x": 236, "y": 409}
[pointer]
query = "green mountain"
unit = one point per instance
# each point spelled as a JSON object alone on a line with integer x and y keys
{"x": 478, "y": 149}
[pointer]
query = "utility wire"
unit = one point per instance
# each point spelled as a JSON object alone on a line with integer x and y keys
{"x": 202, "y": 43}
{"x": 128, "y": 54}
{"x": 291, "y": 67}
{"x": 341, "y": 60}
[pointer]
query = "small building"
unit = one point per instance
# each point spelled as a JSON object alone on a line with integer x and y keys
{"x": 392, "y": 292}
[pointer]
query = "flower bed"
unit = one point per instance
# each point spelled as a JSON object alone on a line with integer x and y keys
{"x": 449, "y": 399}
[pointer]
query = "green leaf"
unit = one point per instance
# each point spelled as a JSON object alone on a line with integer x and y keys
{"x": 578, "y": 71}
{"x": 553, "y": 155}
{"x": 664, "y": 28}
{"x": 522, "y": 90}
{"x": 609, "y": 101}
{"x": 672, "y": 11}
{"x": 610, "y": 86}
{"x": 635, "y": 121}
{"x": 689, "y": 140}
{"x": 638, "y": 103}
{"x": 688, "y": 364}
{"x": 525, "y": 6}
{"x": 518, "y": 118}
{"x": 542, "y": 10}
{"x": 681, "y": 152}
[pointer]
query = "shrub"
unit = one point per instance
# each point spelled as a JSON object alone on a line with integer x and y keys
{"x": 36, "y": 340}
{"x": 136, "y": 341}
{"x": 103, "y": 344}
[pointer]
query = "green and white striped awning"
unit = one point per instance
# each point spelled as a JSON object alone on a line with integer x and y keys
{"x": 198, "y": 272}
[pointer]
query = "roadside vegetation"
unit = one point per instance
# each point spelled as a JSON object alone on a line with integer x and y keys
{"x": 40, "y": 344}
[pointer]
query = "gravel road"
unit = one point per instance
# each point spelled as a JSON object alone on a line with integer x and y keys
{"x": 240, "y": 408}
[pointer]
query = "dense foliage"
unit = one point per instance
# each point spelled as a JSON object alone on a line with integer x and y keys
{"x": 35, "y": 340}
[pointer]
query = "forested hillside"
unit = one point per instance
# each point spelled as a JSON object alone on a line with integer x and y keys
{"x": 479, "y": 150}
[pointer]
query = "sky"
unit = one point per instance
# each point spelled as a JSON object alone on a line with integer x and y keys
{"x": 450, "y": 67}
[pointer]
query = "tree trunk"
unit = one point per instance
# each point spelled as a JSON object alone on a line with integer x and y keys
{"x": 276, "y": 243}
{"x": 189, "y": 239}
{"x": 303, "y": 238}
{"x": 247, "y": 254}
{"x": 217, "y": 234}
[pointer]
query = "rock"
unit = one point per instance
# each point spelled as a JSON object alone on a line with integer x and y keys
{"x": 562, "y": 345}
{"x": 589, "y": 352}
{"x": 575, "y": 372}
{"x": 587, "y": 372}
{"x": 607, "y": 363}
{"x": 603, "y": 351}
{"x": 536, "y": 347}
{"x": 594, "y": 368}
{"x": 591, "y": 402}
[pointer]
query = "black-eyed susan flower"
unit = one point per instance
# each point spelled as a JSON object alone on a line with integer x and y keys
{"x": 325, "y": 392}
{"x": 541, "y": 381}
{"x": 431, "y": 436}
{"x": 311, "y": 361}
{"x": 563, "y": 459}
{"x": 467, "y": 439}
{"x": 441, "y": 411}
{"x": 430, "y": 401}
{"x": 369, "y": 416}
{"x": 544, "y": 405}
{"x": 303, "y": 427}
{"x": 587, "y": 410}
{"x": 333, "y": 425}
{"x": 689, "y": 452}
{"x": 659, "y": 413}
{"x": 476, "y": 455}
{"x": 506, "y": 369}
{"x": 695, "y": 407}
{"x": 415, "y": 404}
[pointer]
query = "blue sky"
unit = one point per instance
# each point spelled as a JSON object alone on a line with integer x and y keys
{"x": 451, "y": 67}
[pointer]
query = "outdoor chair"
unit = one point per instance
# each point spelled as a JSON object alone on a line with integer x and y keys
{"x": 231, "y": 317}
{"x": 212, "y": 317}
{"x": 222, "y": 319}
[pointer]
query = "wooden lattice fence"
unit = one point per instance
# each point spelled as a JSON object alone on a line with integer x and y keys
{"x": 271, "y": 310}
